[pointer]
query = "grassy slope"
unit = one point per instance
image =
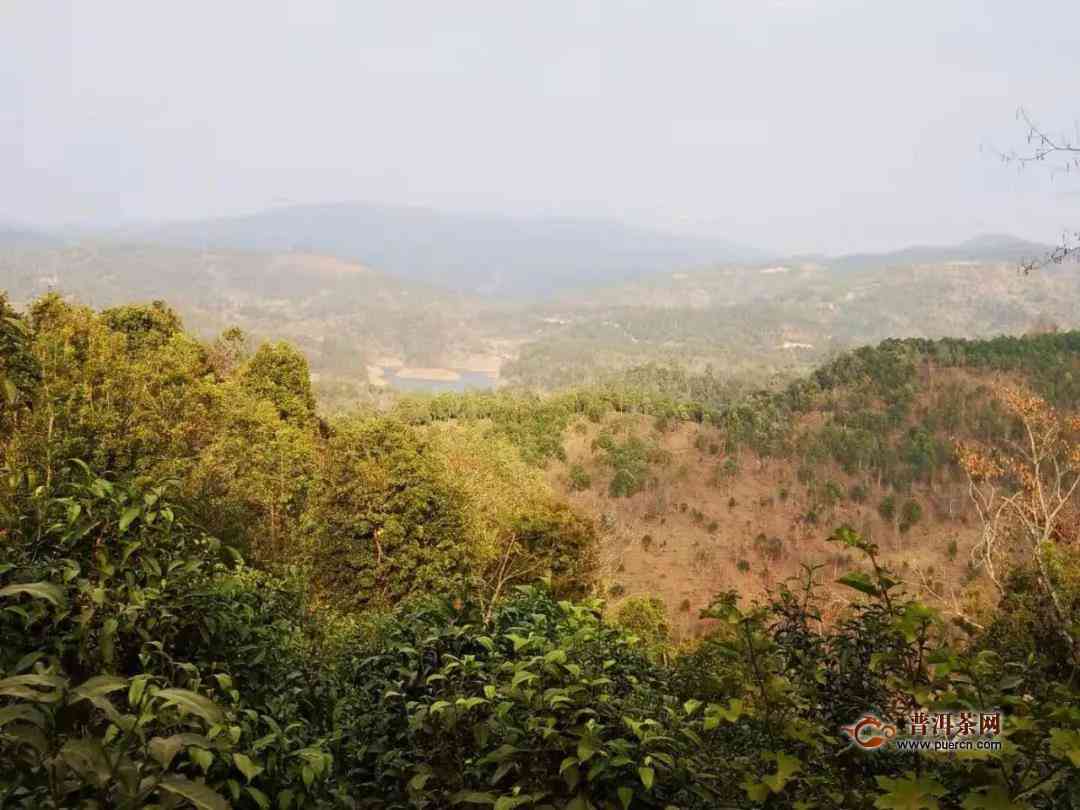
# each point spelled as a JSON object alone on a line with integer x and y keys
{"x": 685, "y": 561}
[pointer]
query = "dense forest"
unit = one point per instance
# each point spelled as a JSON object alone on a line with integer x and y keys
{"x": 213, "y": 594}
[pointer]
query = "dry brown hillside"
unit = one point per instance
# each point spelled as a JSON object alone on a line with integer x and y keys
{"x": 691, "y": 533}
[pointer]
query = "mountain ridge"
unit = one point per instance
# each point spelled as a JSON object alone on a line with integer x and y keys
{"x": 492, "y": 255}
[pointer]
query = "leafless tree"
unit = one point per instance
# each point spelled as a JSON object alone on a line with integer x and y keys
{"x": 1059, "y": 154}
{"x": 1027, "y": 494}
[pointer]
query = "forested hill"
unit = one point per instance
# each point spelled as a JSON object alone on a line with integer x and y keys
{"x": 701, "y": 484}
{"x": 213, "y": 596}
{"x": 791, "y": 316}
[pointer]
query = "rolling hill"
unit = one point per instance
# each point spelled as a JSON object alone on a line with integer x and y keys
{"x": 344, "y": 315}
{"x": 482, "y": 254}
{"x": 787, "y": 316}
{"x": 355, "y": 319}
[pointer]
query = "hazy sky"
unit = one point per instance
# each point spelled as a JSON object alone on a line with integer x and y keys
{"x": 791, "y": 125}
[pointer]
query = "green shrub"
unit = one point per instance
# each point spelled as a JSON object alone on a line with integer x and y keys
{"x": 580, "y": 480}
{"x": 624, "y": 484}
{"x": 630, "y": 461}
{"x": 832, "y": 493}
{"x": 645, "y": 617}
{"x": 910, "y": 514}
{"x": 725, "y": 471}
{"x": 172, "y": 632}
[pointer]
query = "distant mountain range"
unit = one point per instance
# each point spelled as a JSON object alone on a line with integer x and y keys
{"x": 15, "y": 236}
{"x": 488, "y": 255}
{"x": 550, "y": 302}
{"x": 496, "y": 257}
{"x": 985, "y": 248}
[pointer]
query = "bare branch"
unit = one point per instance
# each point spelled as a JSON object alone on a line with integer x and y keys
{"x": 1059, "y": 154}
{"x": 1043, "y": 146}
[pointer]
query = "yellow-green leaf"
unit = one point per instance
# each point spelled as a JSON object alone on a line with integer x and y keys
{"x": 201, "y": 757}
{"x": 647, "y": 775}
{"x": 193, "y": 702}
{"x": 199, "y": 794}
{"x": 1065, "y": 743}
{"x": 246, "y": 766}
{"x": 37, "y": 590}
{"x": 994, "y": 797}
{"x": 127, "y": 517}
{"x": 786, "y": 767}
{"x": 165, "y": 749}
{"x": 23, "y": 686}
{"x": 909, "y": 793}
{"x": 97, "y": 687}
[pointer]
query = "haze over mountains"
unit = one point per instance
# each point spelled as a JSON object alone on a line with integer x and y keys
{"x": 366, "y": 290}
{"x": 490, "y": 255}
{"x": 485, "y": 254}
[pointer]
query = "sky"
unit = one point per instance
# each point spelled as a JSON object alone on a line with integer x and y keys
{"x": 792, "y": 125}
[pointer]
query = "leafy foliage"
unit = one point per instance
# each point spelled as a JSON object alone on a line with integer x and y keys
{"x": 116, "y": 662}
{"x": 414, "y": 627}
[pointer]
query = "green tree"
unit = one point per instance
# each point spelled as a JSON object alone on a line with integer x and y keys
{"x": 910, "y": 514}
{"x": 146, "y": 326}
{"x": 279, "y": 373}
{"x": 253, "y": 477}
{"x": 20, "y": 372}
{"x": 384, "y": 520}
{"x": 646, "y": 618}
{"x": 887, "y": 508}
{"x": 579, "y": 478}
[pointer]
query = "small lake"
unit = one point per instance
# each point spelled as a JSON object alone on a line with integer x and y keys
{"x": 466, "y": 381}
